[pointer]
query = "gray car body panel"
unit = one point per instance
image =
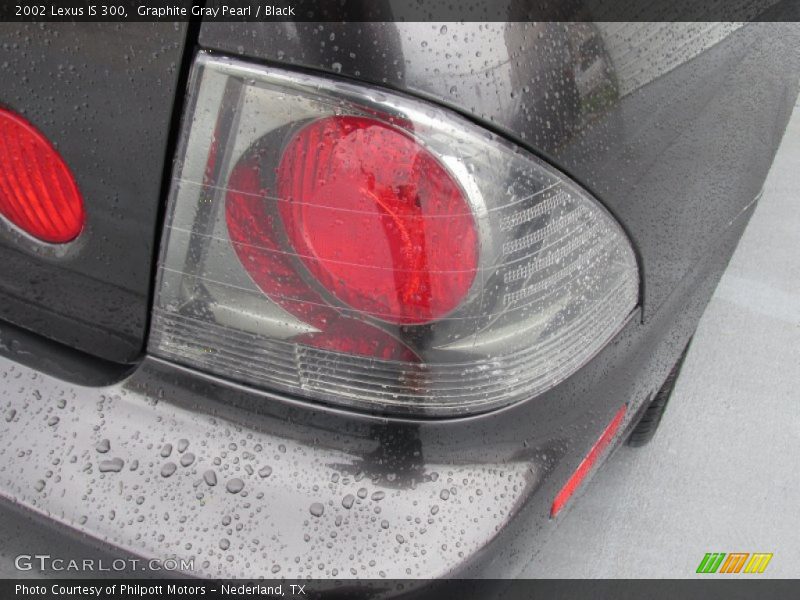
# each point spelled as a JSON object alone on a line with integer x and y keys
{"x": 103, "y": 93}
{"x": 677, "y": 152}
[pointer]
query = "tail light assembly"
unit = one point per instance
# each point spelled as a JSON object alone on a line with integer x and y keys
{"x": 355, "y": 247}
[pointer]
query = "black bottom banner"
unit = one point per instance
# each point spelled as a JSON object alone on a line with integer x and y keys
{"x": 483, "y": 589}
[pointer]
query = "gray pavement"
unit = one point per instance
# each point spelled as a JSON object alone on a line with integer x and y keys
{"x": 723, "y": 472}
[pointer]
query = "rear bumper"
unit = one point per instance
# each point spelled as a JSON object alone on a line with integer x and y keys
{"x": 396, "y": 522}
{"x": 422, "y": 499}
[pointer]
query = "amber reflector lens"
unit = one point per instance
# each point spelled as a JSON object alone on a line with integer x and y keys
{"x": 38, "y": 193}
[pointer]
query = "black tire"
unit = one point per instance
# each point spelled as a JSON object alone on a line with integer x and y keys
{"x": 651, "y": 418}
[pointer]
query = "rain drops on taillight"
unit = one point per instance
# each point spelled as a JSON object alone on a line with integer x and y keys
{"x": 38, "y": 193}
{"x": 404, "y": 248}
{"x": 358, "y": 248}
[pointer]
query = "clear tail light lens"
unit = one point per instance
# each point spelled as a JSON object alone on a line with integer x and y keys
{"x": 354, "y": 247}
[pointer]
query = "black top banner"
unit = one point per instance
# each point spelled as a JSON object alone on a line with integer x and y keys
{"x": 399, "y": 10}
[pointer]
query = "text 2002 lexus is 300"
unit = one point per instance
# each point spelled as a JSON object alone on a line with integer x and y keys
{"x": 360, "y": 299}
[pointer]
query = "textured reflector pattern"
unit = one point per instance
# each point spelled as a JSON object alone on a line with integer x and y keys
{"x": 37, "y": 191}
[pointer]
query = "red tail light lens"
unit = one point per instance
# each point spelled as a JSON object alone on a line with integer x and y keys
{"x": 377, "y": 219}
{"x": 256, "y": 236}
{"x": 37, "y": 191}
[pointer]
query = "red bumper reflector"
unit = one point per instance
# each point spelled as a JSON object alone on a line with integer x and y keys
{"x": 588, "y": 462}
{"x": 37, "y": 191}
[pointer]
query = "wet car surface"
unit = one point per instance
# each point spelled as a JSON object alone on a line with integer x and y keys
{"x": 158, "y": 458}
